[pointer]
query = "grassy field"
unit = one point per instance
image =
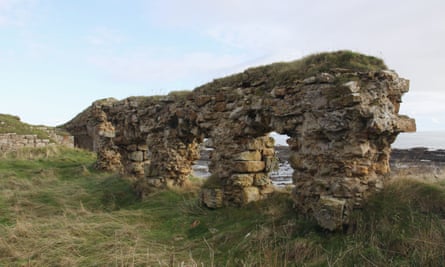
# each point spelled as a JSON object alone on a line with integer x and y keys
{"x": 55, "y": 210}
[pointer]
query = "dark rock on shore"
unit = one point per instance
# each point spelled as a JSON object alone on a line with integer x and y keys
{"x": 412, "y": 155}
{"x": 418, "y": 154}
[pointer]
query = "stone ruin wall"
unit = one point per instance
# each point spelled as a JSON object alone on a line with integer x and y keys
{"x": 13, "y": 142}
{"x": 340, "y": 126}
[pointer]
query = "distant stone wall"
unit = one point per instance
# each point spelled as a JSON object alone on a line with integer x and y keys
{"x": 12, "y": 141}
{"x": 340, "y": 124}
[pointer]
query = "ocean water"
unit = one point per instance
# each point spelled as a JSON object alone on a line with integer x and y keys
{"x": 431, "y": 140}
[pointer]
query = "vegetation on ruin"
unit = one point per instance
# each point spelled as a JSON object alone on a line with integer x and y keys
{"x": 56, "y": 210}
{"x": 180, "y": 93}
{"x": 286, "y": 73}
{"x": 12, "y": 124}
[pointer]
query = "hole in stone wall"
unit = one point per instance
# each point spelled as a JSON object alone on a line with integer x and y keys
{"x": 282, "y": 176}
{"x": 201, "y": 166}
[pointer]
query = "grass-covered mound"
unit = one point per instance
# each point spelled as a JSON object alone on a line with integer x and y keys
{"x": 285, "y": 73}
{"x": 55, "y": 210}
{"x": 12, "y": 124}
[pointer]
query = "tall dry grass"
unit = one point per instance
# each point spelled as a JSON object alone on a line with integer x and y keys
{"x": 55, "y": 210}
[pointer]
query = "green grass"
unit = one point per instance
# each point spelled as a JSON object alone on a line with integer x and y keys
{"x": 12, "y": 124}
{"x": 56, "y": 210}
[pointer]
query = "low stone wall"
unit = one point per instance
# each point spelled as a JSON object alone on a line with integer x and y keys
{"x": 12, "y": 141}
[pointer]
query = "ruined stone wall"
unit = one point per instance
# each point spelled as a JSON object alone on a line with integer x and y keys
{"x": 13, "y": 142}
{"x": 340, "y": 124}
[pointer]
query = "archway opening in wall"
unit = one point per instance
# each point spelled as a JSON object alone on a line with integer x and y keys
{"x": 281, "y": 176}
{"x": 200, "y": 168}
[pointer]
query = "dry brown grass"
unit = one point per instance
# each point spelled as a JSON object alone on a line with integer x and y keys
{"x": 57, "y": 211}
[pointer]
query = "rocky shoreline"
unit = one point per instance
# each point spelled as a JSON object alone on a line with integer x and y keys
{"x": 412, "y": 155}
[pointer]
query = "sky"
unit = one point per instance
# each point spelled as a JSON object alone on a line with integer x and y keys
{"x": 58, "y": 56}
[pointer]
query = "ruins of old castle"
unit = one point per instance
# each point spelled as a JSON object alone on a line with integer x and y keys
{"x": 339, "y": 110}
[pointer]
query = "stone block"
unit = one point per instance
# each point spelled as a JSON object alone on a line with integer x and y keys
{"x": 212, "y": 197}
{"x": 360, "y": 170}
{"x": 310, "y": 80}
{"x": 220, "y": 97}
{"x": 278, "y": 92}
{"x": 347, "y": 100}
{"x": 155, "y": 182}
{"x": 142, "y": 147}
{"x": 266, "y": 190}
{"x": 268, "y": 152}
{"x": 329, "y": 212}
{"x": 243, "y": 180}
{"x": 269, "y": 142}
{"x": 405, "y": 124}
{"x": 250, "y": 194}
{"x": 136, "y": 156}
{"x": 248, "y": 166}
{"x": 296, "y": 161}
{"x": 136, "y": 168}
{"x": 248, "y": 156}
{"x": 254, "y": 144}
{"x": 202, "y": 100}
{"x": 261, "y": 179}
{"x": 220, "y": 107}
{"x": 132, "y": 147}
{"x": 359, "y": 149}
{"x": 351, "y": 87}
{"x": 271, "y": 163}
{"x": 381, "y": 167}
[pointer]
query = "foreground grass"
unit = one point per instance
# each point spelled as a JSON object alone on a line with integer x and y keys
{"x": 55, "y": 210}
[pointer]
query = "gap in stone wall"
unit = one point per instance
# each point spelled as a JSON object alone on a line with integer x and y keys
{"x": 282, "y": 176}
{"x": 201, "y": 166}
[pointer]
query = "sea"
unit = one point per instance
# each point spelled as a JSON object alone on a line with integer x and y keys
{"x": 432, "y": 140}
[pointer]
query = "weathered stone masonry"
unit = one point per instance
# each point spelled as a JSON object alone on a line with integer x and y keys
{"x": 13, "y": 141}
{"x": 340, "y": 124}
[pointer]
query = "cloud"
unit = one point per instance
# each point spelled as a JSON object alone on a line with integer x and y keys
{"x": 409, "y": 35}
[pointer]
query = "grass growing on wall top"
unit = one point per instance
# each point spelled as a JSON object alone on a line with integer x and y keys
{"x": 284, "y": 73}
{"x": 55, "y": 210}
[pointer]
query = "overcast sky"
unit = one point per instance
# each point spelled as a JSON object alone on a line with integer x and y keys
{"x": 57, "y": 56}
